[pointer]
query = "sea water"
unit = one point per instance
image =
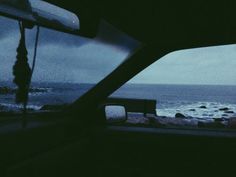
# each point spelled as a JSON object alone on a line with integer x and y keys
{"x": 198, "y": 101}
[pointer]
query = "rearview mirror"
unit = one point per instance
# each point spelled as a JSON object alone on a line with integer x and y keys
{"x": 115, "y": 113}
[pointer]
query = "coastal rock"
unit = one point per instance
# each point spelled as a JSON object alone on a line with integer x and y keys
{"x": 217, "y": 124}
{"x": 201, "y": 124}
{"x": 172, "y": 122}
{"x": 219, "y": 119}
{"x": 6, "y": 90}
{"x": 39, "y": 90}
{"x": 224, "y": 109}
{"x": 137, "y": 118}
{"x": 229, "y": 112}
{"x": 2, "y": 108}
{"x": 225, "y": 115}
{"x": 192, "y": 109}
{"x": 232, "y": 122}
{"x": 203, "y": 107}
{"x": 179, "y": 115}
{"x": 155, "y": 121}
{"x": 48, "y": 107}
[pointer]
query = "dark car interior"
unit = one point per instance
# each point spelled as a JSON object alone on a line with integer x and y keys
{"x": 78, "y": 140}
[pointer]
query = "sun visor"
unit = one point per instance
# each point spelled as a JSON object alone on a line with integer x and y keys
{"x": 40, "y": 13}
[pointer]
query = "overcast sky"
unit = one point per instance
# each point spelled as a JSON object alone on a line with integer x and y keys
{"x": 210, "y": 65}
{"x": 63, "y": 57}
{"x": 66, "y": 58}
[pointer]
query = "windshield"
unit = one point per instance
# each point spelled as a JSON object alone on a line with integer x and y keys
{"x": 67, "y": 66}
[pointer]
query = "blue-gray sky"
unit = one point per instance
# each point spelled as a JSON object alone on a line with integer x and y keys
{"x": 209, "y": 65}
{"x": 63, "y": 57}
{"x": 66, "y": 58}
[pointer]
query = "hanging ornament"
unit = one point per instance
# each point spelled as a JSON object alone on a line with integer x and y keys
{"x": 22, "y": 71}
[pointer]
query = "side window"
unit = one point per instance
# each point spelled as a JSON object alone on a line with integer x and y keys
{"x": 190, "y": 88}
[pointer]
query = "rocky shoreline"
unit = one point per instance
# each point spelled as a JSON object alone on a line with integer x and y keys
{"x": 208, "y": 110}
{"x": 225, "y": 110}
{"x": 139, "y": 119}
{"x": 180, "y": 121}
{"x": 8, "y": 90}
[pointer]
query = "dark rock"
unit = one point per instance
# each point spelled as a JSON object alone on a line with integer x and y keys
{"x": 6, "y": 90}
{"x": 53, "y": 107}
{"x": 2, "y": 108}
{"x": 217, "y": 124}
{"x": 229, "y": 112}
{"x": 232, "y": 122}
{"x": 203, "y": 107}
{"x": 9, "y": 90}
{"x": 28, "y": 109}
{"x": 38, "y": 90}
{"x": 201, "y": 124}
{"x": 219, "y": 119}
{"x": 224, "y": 109}
{"x": 179, "y": 115}
{"x": 192, "y": 109}
{"x": 225, "y": 115}
{"x": 155, "y": 123}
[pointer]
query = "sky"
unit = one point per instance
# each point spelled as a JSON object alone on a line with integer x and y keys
{"x": 63, "y": 57}
{"x": 67, "y": 58}
{"x": 203, "y": 66}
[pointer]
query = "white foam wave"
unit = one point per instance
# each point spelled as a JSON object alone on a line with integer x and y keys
{"x": 197, "y": 110}
{"x": 17, "y": 107}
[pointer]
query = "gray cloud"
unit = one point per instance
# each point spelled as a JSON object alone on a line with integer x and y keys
{"x": 64, "y": 57}
{"x": 87, "y": 64}
{"x": 7, "y": 27}
{"x": 47, "y": 36}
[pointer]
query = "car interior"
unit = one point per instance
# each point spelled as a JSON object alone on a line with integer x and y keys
{"x": 92, "y": 136}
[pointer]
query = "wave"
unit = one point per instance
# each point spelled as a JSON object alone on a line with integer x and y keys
{"x": 8, "y": 90}
{"x": 8, "y": 107}
{"x": 204, "y": 110}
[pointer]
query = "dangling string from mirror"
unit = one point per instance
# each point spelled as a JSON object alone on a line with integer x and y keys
{"x": 21, "y": 69}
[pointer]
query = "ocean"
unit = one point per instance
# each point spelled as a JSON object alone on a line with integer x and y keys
{"x": 198, "y": 101}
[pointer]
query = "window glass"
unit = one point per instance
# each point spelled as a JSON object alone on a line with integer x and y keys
{"x": 194, "y": 87}
{"x": 67, "y": 66}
